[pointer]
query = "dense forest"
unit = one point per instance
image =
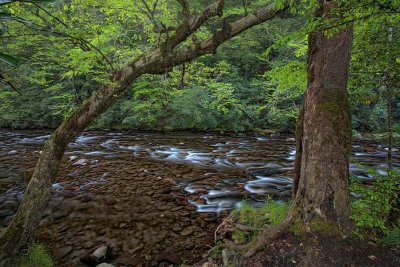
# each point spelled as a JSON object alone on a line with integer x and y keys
{"x": 211, "y": 132}
{"x": 256, "y": 80}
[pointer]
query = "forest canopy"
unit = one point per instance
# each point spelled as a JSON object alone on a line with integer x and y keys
{"x": 63, "y": 50}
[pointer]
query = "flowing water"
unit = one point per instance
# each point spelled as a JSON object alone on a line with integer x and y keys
{"x": 154, "y": 198}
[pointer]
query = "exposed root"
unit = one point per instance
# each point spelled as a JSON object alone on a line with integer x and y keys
{"x": 227, "y": 225}
{"x": 269, "y": 235}
{"x": 248, "y": 228}
{"x": 243, "y": 251}
{"x": 232, "y": 246}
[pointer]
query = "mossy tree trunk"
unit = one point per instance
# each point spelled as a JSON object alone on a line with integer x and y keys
{"x": 322, "y": 189}
{"x": 321, "y": 168}
{"x": 20, "y": 231}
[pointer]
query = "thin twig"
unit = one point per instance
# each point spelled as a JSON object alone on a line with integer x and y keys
{"x": 2, "y": 78}
{"x": 49, "y": 14}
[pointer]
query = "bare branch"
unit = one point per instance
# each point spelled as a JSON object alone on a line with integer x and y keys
{"x": 151, "y": 12}
{"x": 50, "y": 15}
{"x": 84, "y": 44}
{"x": 185, "y": 8}
{"x": 245, "y": 6}
{"x": 193, "y": 24}
{"x": 4, "y": 79}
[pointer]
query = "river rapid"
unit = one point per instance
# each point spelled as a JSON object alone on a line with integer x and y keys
{"x": 155, "y": 199}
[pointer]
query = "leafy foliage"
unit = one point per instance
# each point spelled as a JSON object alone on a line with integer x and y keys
{"x": 271, "y": 213}
{"x": 376, "y": 202}
{"x": 256, "y": 80}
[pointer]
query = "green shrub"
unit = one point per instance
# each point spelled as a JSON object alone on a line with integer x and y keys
{"x": 392, "y": 238}
{"x": 377, "y": 202}
{"x": 396, "y": 128}
{"x": 355, "y": 134}
{"x": 36, "y": 256}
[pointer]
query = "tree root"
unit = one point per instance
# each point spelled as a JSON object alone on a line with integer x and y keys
{"x": 248, "y": 228}
{"x": 269, "y": 235}
{"x": 244, "y": 251}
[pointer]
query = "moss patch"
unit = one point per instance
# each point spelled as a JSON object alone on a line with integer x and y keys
{"x": 319, "y": 225}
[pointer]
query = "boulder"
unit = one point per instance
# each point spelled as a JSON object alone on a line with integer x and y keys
{"x": 99, "y": 255}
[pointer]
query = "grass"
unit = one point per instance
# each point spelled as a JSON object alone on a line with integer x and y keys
{"x": 36, "y": 256}
{"x": 271, "y": 213}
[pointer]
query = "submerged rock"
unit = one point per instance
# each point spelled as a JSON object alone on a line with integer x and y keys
{"x": 187, "y": 231}
{"x": 12, "y": 152}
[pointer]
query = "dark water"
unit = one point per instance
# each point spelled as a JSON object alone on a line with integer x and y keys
{"x": 147, "y": 194}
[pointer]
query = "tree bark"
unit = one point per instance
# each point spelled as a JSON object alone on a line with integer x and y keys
{"x": 321, "y": 171}
{"x": 20, "y": 231}
{"x": 326, "y": 131}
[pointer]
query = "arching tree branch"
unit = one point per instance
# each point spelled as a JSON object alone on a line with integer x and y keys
{"x": 38, "y": 192}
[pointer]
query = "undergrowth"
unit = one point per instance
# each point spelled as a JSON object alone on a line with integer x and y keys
{"x": 376, "y": 207}
{"x": 36, "y": 256}
{"x": 271, "y": 213}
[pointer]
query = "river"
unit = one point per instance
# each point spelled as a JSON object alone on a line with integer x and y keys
{"x": 154, "y": 198}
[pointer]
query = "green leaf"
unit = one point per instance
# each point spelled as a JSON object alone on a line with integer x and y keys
{"x": 13, "y": 61}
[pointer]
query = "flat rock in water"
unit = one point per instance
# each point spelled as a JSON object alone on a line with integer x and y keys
{"x": 63, "y": 252}
{"x": 169, "y": 257}
{"x": 80, "y": 162}
{"x": 187, "y": 231}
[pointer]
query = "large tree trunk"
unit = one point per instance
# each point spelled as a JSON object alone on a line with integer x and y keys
{"x": 20, "y": 231}
{"x": 326, "y": 131}
{"x": 321, "y": 169}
